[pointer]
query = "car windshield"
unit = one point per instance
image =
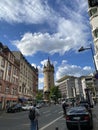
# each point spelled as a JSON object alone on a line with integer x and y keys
{"x": 77, "y": 110}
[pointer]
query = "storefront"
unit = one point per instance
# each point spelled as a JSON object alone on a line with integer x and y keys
{"x": 7, "y": 100}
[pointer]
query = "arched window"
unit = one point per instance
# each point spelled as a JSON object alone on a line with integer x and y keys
{"x": 96, "y": 33}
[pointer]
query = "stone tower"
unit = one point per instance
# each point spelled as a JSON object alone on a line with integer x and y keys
{"x": 48, "y": 71}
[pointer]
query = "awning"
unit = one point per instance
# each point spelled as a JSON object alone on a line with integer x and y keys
{"x": 22, "y": 99}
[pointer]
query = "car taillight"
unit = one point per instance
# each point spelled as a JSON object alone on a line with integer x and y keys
{"x": 86, "y": 118}
{"x": 67, "y": 118}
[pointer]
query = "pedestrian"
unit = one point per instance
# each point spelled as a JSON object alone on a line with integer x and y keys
{"x": 73, "y": 103}
{"x": 34, "y": 118}
{"x": 64, "y": 106}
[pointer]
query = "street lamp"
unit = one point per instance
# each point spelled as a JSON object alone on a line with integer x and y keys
{"x": 96, "y": 73}
{"x": 90, "y": 47}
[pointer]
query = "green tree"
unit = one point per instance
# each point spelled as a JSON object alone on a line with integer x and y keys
{"x": 55, "y": 93}
{"x": 39, "y": 96}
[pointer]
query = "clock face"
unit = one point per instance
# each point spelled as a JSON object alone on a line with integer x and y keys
{"x": 93, "y": 3}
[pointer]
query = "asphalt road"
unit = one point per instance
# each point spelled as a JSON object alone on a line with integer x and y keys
{"x": 51, "y": 117}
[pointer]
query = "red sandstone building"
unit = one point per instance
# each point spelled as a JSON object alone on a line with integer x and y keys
{"x": 18, "y": 79}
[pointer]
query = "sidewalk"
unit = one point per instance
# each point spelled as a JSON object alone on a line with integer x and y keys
{"x": 95, "y": 116}
{"x": 95, "y": 111}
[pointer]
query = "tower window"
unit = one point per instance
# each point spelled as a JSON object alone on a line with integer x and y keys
{"x": 93, "y": 3}
{"x": 93, "y": 11}
{"x": 96, "y": 33}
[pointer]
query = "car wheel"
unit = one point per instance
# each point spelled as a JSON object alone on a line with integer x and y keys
{"x": 91, "y": 126}
{"x": 68, "y": 127}
{"x": 20, "y": 109}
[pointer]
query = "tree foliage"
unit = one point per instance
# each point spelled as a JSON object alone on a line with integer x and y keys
{"x": 55, "y": 93}
{"x": 39, "y": 95}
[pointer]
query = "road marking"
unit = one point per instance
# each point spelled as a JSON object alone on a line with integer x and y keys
{"x": 48, "y": 114}
{"x": 50, "y": 123}
{"x": 60, "y": 112}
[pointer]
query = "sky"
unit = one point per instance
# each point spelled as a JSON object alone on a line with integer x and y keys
{"x": 53, "y": 29}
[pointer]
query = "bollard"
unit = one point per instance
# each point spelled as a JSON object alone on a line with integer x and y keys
{"x": 56, "y": 128}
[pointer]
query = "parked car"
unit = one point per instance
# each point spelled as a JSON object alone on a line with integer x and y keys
{"x": 78, "y": 117}
{"x": 86, "y": 105}
{"x": 39, "y": 105}
{"x": 14, "y": 108}
{"x": 26, "y": 107}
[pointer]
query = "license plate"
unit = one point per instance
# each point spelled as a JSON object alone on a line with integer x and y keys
{"x": 76, "y": 118}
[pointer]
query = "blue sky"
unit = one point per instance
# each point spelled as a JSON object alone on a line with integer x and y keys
{"x": 49, "y": 28}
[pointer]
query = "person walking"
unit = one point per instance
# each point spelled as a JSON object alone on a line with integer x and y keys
{"x": 33, "y": 116}
{"x": 64, "y": 106}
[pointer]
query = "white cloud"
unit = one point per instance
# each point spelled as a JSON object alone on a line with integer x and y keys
{"x": 40, "y": 70}
{"x": 27, "y": 11}
{"x": 59, "y": 42}
{"x": 64, "y": 69}
{"x": 38, "y": 11}
{"x": 70, "y": 31}
{"x": 44, "y": 62}
{"x": 72, "y": 70}
{"x": 41, "y": 80}
{"x": 70, "y": 26}
{"x": 34, "y": 65}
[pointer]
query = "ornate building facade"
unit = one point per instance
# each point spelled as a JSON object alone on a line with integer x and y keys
{"x": 28, "y": 78}
{"x": 9, "y": 77}
{"x": 18, "y": 78}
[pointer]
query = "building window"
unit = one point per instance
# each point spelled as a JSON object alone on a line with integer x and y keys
{"x": 20, "y": 89}
{"x": 8, "y": 78}
{"x": 12, "y": 92}
{"x": 7, "y": 90}
{"x": 93, "y": 11}
{"x": 1, "y": 74}
{"x": 9, "y": 69}
{"x": 15, "y": 92}
{"x": 11, "y": 57}
{"x": 93, "y": 3}
{"x": 15, "y": 71}
{"x": 96, "y": 33}
{"x": 3, "y": 62}
{"x": 0, "y": 87}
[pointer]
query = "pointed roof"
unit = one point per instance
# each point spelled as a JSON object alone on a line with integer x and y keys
{"x": 48, "y": 62}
